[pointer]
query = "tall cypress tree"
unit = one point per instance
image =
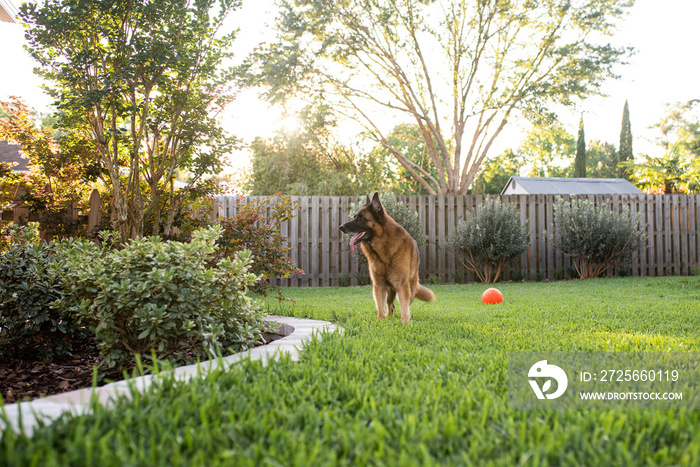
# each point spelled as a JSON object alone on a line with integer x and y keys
{"x": 580, "y": 160}
{"x": 625, "y": 150}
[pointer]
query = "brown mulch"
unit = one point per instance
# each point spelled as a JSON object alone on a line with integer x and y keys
{"x": 25, "y": 380}
{"x": 21, "y": 380}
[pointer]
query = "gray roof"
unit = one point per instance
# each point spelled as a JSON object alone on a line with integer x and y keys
{"x": 10, "y": 153}
{"x": 571, "y": 186}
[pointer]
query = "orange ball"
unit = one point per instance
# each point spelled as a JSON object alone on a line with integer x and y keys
{"x": 492, "y": 296}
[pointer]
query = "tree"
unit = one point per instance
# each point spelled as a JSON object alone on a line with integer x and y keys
{"x": 659, "y": 174}
{"x": 407, "y": 138}
{"x": 601, "y": 160}
{"x": 580, "y": 160}
{"x": 548, "y": 150}
{"x": 458, "y": 70}
{"x": 681, "y": 126}
{"x": 312, "y": 162}
{"x": 61, "y": 168}
{"x": 143, "y": 82}
{"x": 495, "y": 173}
{"x": 625, "y": 151}
{"x": 677, "y": 170}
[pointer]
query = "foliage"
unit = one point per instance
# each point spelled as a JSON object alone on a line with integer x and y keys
{"x": 458, "y": 70}
{"x": 580, "y": 159}
{"x": 596, "y": 238}
{"x": 548, "y": 150}
{"x": 61, "y": 172}
{"x": 678, "y": 169}
{"x": 256, "y": 227}
{"x": 601, "y": 160}
{"x": 161, "y": 297}
{"x": 495, "y": 173}
{"x": 30, "y": 326}
{"x": 489, "y": 239}
{"x": 311, "y": 162}
{"x": 443, "y": 385}
{"x": 408, "y": 140}
{"x": 681, "y": 124}
{"x": 667, "y": 174}
{"x": 625, "y": 153}
{"x": 143, "y": 93}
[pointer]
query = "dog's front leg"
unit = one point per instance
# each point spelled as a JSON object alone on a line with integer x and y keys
{"x": 405, "y": 302}
{"x": 379, "y": 298}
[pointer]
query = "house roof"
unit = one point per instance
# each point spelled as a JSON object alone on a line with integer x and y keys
{"x": 570, "y": 186}
{"x": 8, "y": 11}
{"x": 11, "y": 153}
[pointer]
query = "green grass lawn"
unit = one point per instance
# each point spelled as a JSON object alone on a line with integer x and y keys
{"x": 433, "y": 392}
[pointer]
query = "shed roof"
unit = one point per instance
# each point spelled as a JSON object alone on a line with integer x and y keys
{"x": 571, "y": 186}
{"x": 11, "y": 153}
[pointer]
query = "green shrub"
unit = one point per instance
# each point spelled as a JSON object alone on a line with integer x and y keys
{"x": 256, "y": 227}
{"x": 162, "y": 297}
{"x": 487, "y": 240}
{"x": 596, "y": 238}
{"x": 344, "y": 280}
{"x": 30, "y": 326}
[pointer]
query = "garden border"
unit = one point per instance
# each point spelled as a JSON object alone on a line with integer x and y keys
{"x": 25, "y": 416}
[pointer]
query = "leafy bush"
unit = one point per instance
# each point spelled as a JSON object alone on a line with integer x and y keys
{"x": 162, "y": 297}
{"x": 596, "y": 238}
{"x": 30, "y": 326}
{"x": 256, "y": 227}
{"x": 487, "y": 240}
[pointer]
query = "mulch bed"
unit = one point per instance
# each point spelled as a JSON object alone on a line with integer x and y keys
{"x": 25, "y": 380}
{"x": 22, "y": 380}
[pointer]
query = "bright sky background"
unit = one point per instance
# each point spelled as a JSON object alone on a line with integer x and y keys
{"x": 665, "y": 69}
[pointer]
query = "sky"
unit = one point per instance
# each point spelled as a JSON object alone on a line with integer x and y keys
{"x": 663, "y": 70}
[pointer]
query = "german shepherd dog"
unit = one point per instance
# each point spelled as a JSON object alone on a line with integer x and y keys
{"x": 392, "y": 256}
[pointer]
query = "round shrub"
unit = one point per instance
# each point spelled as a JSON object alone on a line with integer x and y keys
{"x": 596, "y": 238}
{"x": 487, "y": 240}
{"x": 163, "y": 297}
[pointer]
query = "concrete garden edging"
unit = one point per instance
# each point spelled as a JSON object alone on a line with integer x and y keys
{"x": 25, "y": 416}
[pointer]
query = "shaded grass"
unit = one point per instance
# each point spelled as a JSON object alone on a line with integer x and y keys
{"x": 433, "y": 392}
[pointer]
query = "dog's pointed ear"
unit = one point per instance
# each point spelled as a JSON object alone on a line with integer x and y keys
{"x": 376, "y": 204}
{"x": 368, "y": 202}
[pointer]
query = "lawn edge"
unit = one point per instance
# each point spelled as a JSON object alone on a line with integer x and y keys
{"x": 25, "y": 417}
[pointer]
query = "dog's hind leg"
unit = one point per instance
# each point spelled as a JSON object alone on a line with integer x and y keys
{"x": 390, "y": 297}
{"x": 380, "y": 299}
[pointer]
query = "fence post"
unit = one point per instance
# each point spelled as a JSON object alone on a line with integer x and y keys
{"x": 94, "y": 215}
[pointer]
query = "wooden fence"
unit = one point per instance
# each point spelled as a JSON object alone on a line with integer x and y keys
{"x": 18, "y": 213}
{"x": 672, "y": 223}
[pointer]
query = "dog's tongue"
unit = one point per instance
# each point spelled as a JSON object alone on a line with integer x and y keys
{"x": 354, "y": 239}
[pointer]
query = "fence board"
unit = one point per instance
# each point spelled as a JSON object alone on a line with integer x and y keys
{"x": 683, "y": 231}
{"x": 692, "y": 235}
{"x": 532, "y": 256}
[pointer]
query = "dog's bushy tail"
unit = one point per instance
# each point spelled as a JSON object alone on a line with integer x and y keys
{"x": 425, "y": 294}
